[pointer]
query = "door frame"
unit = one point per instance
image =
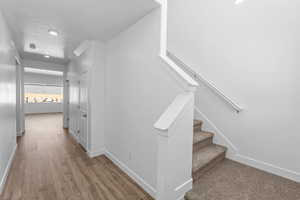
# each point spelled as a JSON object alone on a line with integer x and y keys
{"x": 20, "y": 115}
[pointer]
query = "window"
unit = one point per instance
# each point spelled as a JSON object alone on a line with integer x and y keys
{"x": 35, "y": 93}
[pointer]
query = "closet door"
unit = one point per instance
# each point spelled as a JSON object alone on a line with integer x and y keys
{"x": 74, "y": 108}
{"x": 83, "y": 110}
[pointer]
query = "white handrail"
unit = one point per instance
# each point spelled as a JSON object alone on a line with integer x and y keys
{"x": 199, "y": 77}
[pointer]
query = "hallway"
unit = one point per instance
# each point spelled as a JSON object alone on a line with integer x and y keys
{"x": 50, "y": 165}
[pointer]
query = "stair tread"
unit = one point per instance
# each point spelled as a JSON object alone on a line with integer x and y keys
{"x": 206, "y": 155}
{"x": 200, "y": 136}
{"x": 197, "y": 123}
{"x": 192, "y": 196}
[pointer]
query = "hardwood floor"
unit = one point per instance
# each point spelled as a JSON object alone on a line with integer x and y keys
{"x": 50, "y": 165}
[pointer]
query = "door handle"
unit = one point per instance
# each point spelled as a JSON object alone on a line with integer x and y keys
{"x": 84, "y": 115}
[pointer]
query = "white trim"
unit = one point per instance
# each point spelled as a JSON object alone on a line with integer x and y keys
{"x": 7, "y": 169}
{"x": 93, "y": 154}
{"x": 286, "y": 173}
{"x": 42, "y": 71}
{"x": 184, "y": 188}
{"x": 139, "y": 180}
{"x": 83, "y": 46}
{"x": 72, "y": 133}
{"x": 172, "y": 112}
{"x": 20, "y": 133}
{"x": 18, "y": 60}
{"x": 180, "y": 72}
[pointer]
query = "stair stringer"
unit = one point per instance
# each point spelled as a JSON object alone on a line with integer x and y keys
{"x": 219, "y": 137}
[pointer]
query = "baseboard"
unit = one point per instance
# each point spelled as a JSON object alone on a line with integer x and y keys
{"x": 7, "y": 169}
{"x": 20, "y": 133}
{"x": 93, "y": 154}
{"x": 295, "y": 176}
{"x": 139, "y": 180}
{"x": 181, "y": 190}
{"x": 72, "y": 133}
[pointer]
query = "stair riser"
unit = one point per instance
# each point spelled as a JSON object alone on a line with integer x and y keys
{"x": 197, "y": 128}
{"x": 212, "y": 164}
{"x": 202, "y": 144}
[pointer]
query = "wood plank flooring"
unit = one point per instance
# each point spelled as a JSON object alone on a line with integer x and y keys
{"x": 50, "y": 165}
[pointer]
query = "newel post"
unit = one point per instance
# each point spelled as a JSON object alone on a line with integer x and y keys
{"x": 175, "y": 143}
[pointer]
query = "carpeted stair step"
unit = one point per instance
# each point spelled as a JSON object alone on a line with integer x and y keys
{"x": 206, "y": 158}
{"x": 192, "y": 196}
{"x": 197, "y": 125}
{"x": 202, "y": 139}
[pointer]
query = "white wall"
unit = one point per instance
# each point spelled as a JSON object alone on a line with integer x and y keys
{"x": 7, "y": 100}
{"x": 250, "y": 51}
{"x": 138, "y": 89}
{"x": 43, "y": 65}
{"x": 91, "y": 62}
{"x": 129, "y": 88}
{"x": 97, "y": 98}
{"x": 34, "y": 78}
{"x": 37, "y": 108}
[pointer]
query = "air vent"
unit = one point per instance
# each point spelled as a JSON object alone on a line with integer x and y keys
{"x": 32, "y": 46}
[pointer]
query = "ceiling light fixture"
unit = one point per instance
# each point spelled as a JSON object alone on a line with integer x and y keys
{"x": 239, "y": 1}
{"x": 53, "y": 32}
{"x": 47, "y": 56}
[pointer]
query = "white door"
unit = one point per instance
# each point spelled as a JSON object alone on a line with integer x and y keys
{"x": 20, "y": 119}
{"x": 74, "y": 108}
{"x": 83, "y": 111}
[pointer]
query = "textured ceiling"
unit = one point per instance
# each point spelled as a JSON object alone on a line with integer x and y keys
{"x": 75, "y": 21}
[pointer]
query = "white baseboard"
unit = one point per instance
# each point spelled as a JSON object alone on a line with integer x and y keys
{"x": 93, "y": 154}
{"x": 20, "y": 133}
{"x": 295, "y": 176}
{"x": 181, "y": 190}
{"x": 139, "y": 180}
{"x": 72, "y": 133}
{"x": 7, "y": 169}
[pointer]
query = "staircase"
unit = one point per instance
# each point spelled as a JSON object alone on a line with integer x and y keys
{"x": 206, "y": 155}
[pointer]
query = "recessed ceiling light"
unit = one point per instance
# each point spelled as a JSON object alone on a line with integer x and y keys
{"x": 239, "y": 1}
{"x": 46, "y": 56}
{"x": 53, "y": 32}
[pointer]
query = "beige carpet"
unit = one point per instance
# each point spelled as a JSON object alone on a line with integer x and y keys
{"x": 234, "y": 181}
